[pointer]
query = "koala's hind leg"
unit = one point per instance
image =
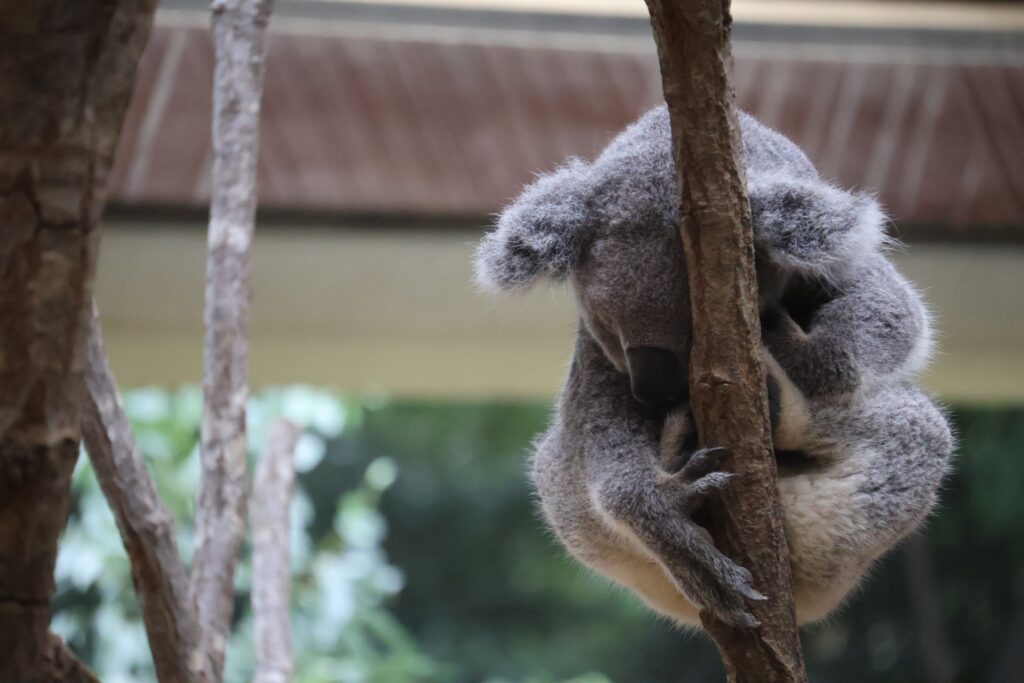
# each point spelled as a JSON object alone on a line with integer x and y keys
{"x": 654, "y": 511}
{"x": 880, "y": 462}
{"x": 648, "y": 509}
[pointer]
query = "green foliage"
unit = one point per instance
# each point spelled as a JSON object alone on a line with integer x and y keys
{"x": 484, "y": 595}
{"x": 342, "y": 579}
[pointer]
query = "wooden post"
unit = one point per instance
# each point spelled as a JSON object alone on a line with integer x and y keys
{"x": 727, "y": 375}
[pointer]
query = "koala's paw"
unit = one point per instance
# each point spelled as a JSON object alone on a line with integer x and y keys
{"x": 711, "y": 580}
{"x": 700, "y": 477}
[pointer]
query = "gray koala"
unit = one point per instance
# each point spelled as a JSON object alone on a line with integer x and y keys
{"x": 861, "y": 451}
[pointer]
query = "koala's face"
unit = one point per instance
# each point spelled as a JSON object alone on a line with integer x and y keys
{"x": 626, "y": 268}
{"x": 630, "y": 282}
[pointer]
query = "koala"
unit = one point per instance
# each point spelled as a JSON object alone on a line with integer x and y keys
{"x": 862, "y": 452}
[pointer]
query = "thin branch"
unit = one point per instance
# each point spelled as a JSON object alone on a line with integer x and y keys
{"x": 269, "y": 509}
{"x": 239, "y": 33}
{"x": 727, "y": 376}
{"x": 144, "y": 522}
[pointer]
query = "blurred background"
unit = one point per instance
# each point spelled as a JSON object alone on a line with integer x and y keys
{"x": 391, "y": 133}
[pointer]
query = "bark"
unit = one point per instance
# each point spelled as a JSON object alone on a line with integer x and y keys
{"x": 271, "y": 572}
{"x": 66, "y": 75}
{"x": 61, "y": 664}
{"x": 147, "y": 530}
{"x": 239, "y": 31}
{"x": 727, "y": 376}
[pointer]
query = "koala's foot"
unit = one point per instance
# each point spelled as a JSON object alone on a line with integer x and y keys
{"x": 707, "y": 577}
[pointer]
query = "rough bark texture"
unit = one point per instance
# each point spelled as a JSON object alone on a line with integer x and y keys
{"x": 147, "y": 530}
{"x": 727, "y": 375}
{"x": 66, "y": 75}
{"x": 239, "y": 31}
{"x": 61, "y": 665}
{"x": 271, "y": 575}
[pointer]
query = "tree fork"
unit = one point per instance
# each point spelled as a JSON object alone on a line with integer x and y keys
{"x": 727, "y": 378}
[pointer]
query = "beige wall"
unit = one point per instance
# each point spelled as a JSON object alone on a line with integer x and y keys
{"x": 396, "y": 312}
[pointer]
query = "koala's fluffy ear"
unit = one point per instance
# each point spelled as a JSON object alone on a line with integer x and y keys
{"x": 811, "y": 226}
{"x": 540, "y": 233}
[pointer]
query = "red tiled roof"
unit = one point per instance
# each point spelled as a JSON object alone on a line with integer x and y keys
{"x": 357, "y": 123}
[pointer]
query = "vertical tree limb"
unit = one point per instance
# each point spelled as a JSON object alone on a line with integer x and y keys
{"x": 66, "y": 74}
{"x": 147, "y": 530}
{"x": 239, "y": 34}
{"x": 271, "y": 576}
{"x": 727, "y": 375}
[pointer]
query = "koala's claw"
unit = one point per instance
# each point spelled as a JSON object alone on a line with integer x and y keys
{"x": 717, "y": 584}
{"x": 712, "y": 580}
{"x": 699, "y": 491}
{"x": 700, "y": 478}
{"x": 703, "y": 462}
{"x": 729, "y": 589}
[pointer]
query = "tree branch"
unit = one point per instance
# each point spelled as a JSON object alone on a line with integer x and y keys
{"x": 62, "y": 665}
{"x": 271, "y": 576}
{"x": 239, "y": 32}
{"x": 147, "y": 531}
{"x": 727, "y": 375}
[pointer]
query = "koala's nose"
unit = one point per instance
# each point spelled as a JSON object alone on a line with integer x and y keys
{"x": 657, "y": 375}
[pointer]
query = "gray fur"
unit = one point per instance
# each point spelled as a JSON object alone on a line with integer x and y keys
{"x": 803, "y": 222}
{"x": 614, "y": 477}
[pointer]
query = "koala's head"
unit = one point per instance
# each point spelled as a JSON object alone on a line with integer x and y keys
{"x": 609, "y": 227}
{"x": 619, "y": 247}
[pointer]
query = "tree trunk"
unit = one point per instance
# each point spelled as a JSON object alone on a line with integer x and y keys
{"x": 66, "y": 74}
{"x": 727, "y": 376}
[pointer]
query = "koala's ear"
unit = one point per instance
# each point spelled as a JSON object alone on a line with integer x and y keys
{"x": 809, "y": 225}
{"x": 541, "y": 233}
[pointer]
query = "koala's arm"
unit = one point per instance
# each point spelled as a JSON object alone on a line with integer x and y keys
{"x": 637, "y": 499}
{"x": 875, "y": 327}
{"x": 806, "y": 225}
